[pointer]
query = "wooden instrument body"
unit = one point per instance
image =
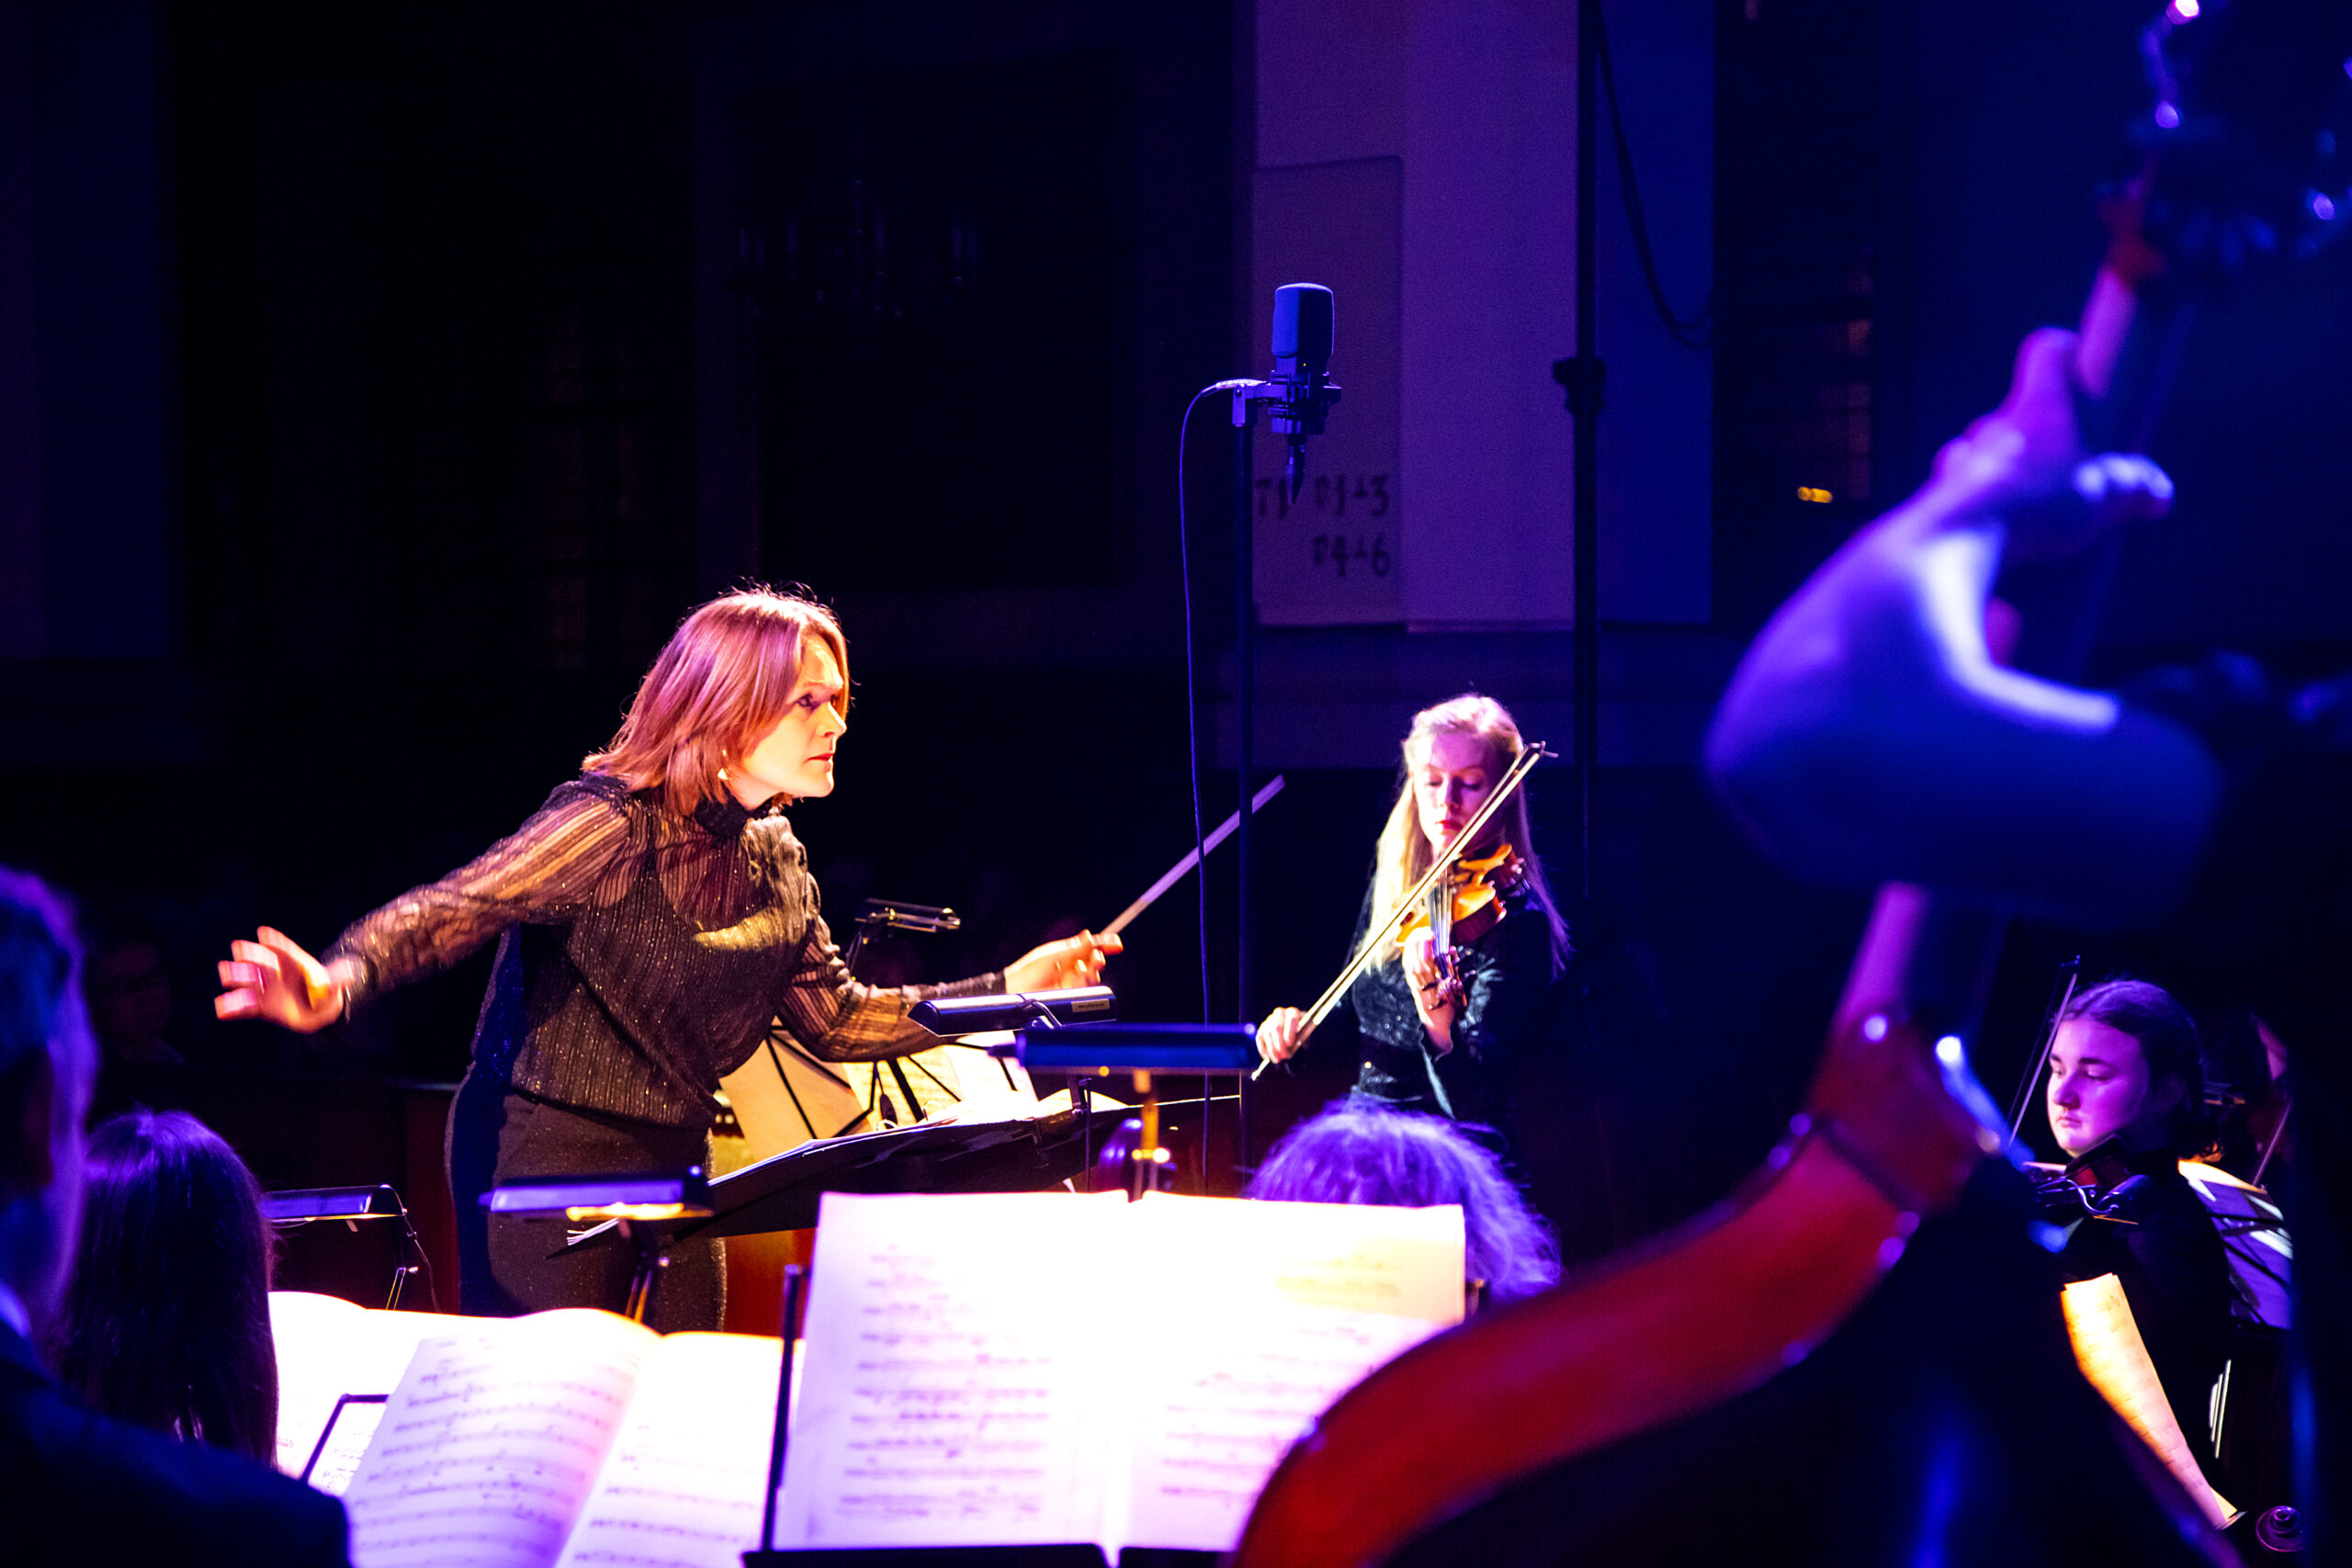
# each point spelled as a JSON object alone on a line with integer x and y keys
{"x": 786, "y": 1099}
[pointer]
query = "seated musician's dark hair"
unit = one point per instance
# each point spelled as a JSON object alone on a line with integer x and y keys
{"x": 1363, "y": 1152}
{"x": 2169, "y": 1043}
{"x": 166, "y": 1320}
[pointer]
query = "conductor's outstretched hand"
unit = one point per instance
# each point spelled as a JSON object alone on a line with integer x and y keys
{"x": 272, "y": 977}
{"x": 1062, "y": 965}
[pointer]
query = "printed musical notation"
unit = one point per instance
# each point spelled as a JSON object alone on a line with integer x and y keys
{"x": 933, "y": 1406}
{"x": 1034, "y": 1368}
{"x": 685, "y": 1484}
{"x": 1231, "y": 1405}
{"x": 491, "y": 1444}
{"x": 349, "y": 1431}
{"x": 568, "y": 1439}
{"x": 328, "y": 1347}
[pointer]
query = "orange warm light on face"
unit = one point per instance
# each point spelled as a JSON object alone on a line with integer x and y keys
{"x": 795, "y": 757}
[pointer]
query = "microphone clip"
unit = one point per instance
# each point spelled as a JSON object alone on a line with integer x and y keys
{"x": 1298, "y": 408}
{"x": 1301, "y": 391}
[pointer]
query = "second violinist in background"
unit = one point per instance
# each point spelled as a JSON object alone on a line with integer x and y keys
{"x": 1428, "y": 1045}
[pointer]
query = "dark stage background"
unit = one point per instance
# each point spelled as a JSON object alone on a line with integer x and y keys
{"x": 377, "y": 389}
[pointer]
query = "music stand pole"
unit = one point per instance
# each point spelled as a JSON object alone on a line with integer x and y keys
{"x": 795, "y": 1291}
{"x": 652, "y": 1256}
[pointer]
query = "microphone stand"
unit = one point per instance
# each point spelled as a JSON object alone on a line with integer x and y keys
{"x": 1298, "y": 414}
{"x": 1246, "y": 398}
{"x": 1301, "y": 393}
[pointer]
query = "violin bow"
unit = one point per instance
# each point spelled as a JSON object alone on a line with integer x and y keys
{"x": 2070, "y": 974}
{"x": 1522, "y": 765}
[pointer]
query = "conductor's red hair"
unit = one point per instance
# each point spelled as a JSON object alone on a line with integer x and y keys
{"x": 724, "y": 680}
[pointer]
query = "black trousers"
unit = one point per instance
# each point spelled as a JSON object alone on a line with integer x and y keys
{"x": 507, "y": 1266}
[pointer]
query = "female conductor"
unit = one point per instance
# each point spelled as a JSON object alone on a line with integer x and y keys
{"x": 652, "y": 917}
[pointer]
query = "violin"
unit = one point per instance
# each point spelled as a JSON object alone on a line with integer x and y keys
{"x": 1461, "y": 906}
{"x": 2097, "y": 1184}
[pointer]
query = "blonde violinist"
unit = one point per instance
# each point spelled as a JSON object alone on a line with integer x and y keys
{"x": 1440, "y": 1013}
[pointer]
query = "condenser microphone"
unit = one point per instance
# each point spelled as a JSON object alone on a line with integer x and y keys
{"x": 1302, "y": 371}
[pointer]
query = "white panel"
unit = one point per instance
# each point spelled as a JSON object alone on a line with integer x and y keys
{"x": 1490, "y": 302}
{"x": 1335, "y": 555}
{"x": 1330, "y": 79}
{"x": 1477, "y": 99}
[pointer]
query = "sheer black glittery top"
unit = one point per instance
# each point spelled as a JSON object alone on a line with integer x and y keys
{"x": 1506, "y": 977}
{"x": 641, "y": 953}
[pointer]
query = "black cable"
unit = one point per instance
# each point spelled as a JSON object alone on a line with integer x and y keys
{"x": 415, "y": 1247}
{"x": 1696, "y": 332}
{"x": 1192, "y": 700}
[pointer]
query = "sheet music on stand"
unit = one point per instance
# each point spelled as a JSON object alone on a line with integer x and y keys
{"x": 1045, "y": 1377}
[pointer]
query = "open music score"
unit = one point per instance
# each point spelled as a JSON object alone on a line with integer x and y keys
{"x": 1037, "y": 1368}
{"x": 568, "y": 1435}
{"x": 327, "y": 1349}
{"x": 983, "y": 1368}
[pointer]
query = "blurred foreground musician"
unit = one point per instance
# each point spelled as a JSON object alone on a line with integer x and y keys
{"x": 77, "y": 1488}
{"x": 1872, "y": 734}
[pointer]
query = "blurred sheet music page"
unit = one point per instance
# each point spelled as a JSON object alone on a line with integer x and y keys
{"x": 491, "y": 1441}
{"x": 1276, "y": 1310}
{"x": 1032, "y": 1368}
{"x": 328, "y": 1347}
{"x": 569, "y": 1436}
{"x": 688, "y": 1474}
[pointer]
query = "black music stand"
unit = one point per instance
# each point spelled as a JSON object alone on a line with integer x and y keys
{"x": 782, "y": 1192}
{"x": 637, "y": 1206}
{"x": 292, "y": 1207}
{"x": 1212, "y": 1050}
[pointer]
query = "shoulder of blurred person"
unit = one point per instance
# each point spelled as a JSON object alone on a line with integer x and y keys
{"x": 77, "y": 1487}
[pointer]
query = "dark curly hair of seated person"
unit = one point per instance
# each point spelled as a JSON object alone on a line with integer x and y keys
{"x": 1360, "y": 1152}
